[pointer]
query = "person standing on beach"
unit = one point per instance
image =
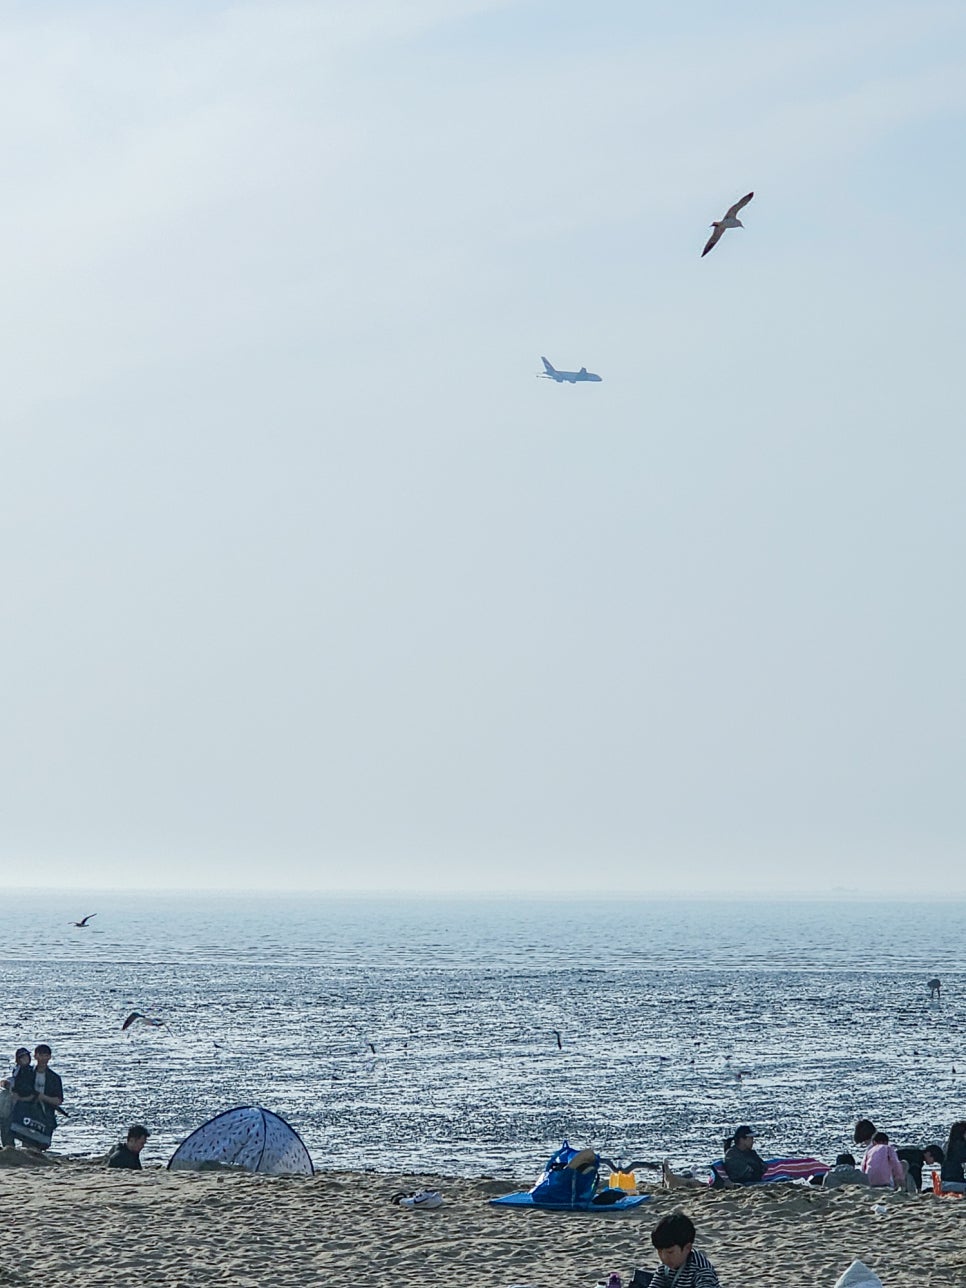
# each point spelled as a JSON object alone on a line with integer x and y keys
{"x": 21, "y": 1061}
{"x": 43, "y": 1088}
{"x": 741, "y": 1163}
{"x": 127, "y": 1153}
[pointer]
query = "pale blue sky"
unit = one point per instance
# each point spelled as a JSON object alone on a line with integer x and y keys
{"x": 306, "y": 581}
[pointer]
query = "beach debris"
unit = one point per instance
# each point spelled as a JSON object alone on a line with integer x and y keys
{"x": 730, "y": 220}
{"x": 82, "y": 924}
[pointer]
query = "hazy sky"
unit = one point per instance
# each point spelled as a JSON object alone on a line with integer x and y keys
{"x": 306, "y": 581}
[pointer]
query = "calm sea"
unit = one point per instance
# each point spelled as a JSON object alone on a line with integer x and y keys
{"x": 420, "y": 1035}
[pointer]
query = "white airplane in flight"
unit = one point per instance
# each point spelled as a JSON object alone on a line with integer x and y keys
{"x": 572, "y": 377}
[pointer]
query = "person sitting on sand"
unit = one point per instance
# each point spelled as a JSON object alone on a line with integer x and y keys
{"x": 914, "y": 1158}
{"x": 742, "y": 1165}
{"x": 882, "y": 1164}
{"x": 681, "y": 1266}
{"x": 951, "y": 1177}
{"x": 127, "y": 1153}
{"x": 844, "y": 1172}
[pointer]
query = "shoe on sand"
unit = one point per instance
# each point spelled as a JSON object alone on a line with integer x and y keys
{"x": 420, "y": 1199}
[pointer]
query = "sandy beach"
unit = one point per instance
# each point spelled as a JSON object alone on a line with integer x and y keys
{"x": 73, "y": 1221}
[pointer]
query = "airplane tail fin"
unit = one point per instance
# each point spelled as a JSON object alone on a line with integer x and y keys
{"x": 547, "y": 367}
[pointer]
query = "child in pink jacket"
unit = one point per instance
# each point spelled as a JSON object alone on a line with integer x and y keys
{"x": 882, "y": 1164}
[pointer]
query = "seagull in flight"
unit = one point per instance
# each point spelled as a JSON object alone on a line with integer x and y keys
{"x": 628, "y": 1167}
{"x": 84, "y": 920}
{"x": 556, "y": 1033}
{"x": 730, "y": 220}
{"x": 145, "y": 1020}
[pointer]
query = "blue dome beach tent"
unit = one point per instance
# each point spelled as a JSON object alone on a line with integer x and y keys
{"x": 248, "y": 1137}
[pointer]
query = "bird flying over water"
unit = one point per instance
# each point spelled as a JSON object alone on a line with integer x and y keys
{"x": 146, "y": 1020}
{"x": 627, "y": 1167}
{"x": 556, "y": 1033}
{"x": 730, "y": 220}
{"x": 84, "y": 920}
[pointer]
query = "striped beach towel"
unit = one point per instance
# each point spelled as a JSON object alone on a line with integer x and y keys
{"x": 781, "y": 1169}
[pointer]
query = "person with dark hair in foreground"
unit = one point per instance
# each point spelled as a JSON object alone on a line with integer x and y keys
{"x": 681, "y": 1266}
{"x": 127, "y": 1153}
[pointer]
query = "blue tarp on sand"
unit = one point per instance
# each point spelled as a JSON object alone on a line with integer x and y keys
{"x": 526, "y": 1200}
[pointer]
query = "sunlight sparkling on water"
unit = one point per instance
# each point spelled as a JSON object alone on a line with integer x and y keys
{"x": 275, "y": 1001}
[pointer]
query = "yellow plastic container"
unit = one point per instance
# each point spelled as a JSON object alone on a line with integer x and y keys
{"x": 623, "y": 1181}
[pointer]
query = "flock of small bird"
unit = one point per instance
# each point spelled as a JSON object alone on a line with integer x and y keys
{"x": 140, "y": 1019}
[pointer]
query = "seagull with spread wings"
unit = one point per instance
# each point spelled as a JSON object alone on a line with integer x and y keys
{"x": 148, "y": 1021}
{"x": 730, "y": 220}
{"x": 84, "y": 920}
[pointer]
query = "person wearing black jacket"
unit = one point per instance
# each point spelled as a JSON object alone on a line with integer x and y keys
{"x": 741, "y": 1163}
{"x": 954, "y": 1164}
{"x": 43, "y": 1089}
{"x": 127, "y": 1153}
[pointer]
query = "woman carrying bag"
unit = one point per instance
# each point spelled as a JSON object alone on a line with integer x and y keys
{"x": 38, "y": 1093}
